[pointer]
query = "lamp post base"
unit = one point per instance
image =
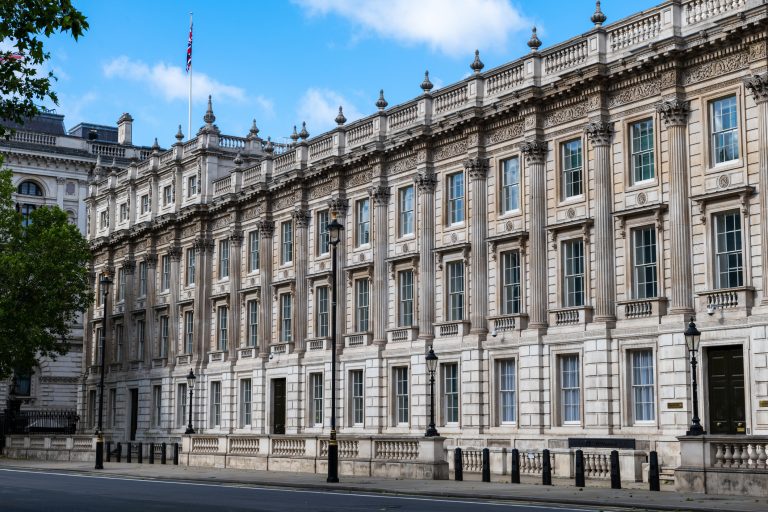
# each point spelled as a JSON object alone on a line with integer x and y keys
{"x": 99, "y": 452}
{"x": 695, "y": 430}
{"x": 431, "y": 432}
{"x": 333, "y": 462}
{"x": 189, "y": 430}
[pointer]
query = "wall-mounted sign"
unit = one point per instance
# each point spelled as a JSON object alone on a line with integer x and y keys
{"x": 762, "y": 403}
{"x": 674, "y": 405}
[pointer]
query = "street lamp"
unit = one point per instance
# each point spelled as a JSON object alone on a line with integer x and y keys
{"x": 692, "y": 336}
{"x": 191, "y": 385}
{"x": 105, "y": 281}
{"x": 431, "y": 366}
{"x": 334, "y": 237}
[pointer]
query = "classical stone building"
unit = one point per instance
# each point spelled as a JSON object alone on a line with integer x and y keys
{"x": 549, "y": 226}
{"x": 52, "y": 166}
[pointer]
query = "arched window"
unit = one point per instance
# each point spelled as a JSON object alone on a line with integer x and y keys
{"x": 30, "y": 188}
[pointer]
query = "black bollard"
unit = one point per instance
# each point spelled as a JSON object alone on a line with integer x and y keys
{"x": 119, "y": 451}
{"x": 151, "y": 453}
{"x": 546, "y": 469}
{"x": 458, "y": 467}
{"x": 175, "y": 454}
{"x": 579, "y": 468}
{"x": 486, "y": 465}
{"x": 109, "y": 449}
{"x": 615, "y": 473}
{"x": 653, "y": 472}
{"x": 141, "y": 452}
{"x": 128, "y": 453}
{"x": 162, "y": 454}
{"x": 515, "y": 466}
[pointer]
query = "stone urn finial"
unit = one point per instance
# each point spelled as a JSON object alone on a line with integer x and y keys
{"x": 340, "y": 119}
{"x": 179, "y": 135}
{"x": 534, "y": 43}
{"x": 381, "y": 103}
{"x": 426, "y": 85}
{"x": 598, "y": 18}
{"x": 477, "y": 65}
{"x": 303, "y": 134}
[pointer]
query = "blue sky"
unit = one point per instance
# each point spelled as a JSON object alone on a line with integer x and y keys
{"x": 284, "y": 62}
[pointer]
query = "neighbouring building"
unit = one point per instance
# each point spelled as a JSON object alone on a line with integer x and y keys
{"x": 52, "y": 166}
{"x": 549, "y": 226}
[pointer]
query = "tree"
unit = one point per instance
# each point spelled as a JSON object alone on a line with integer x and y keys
{"x": 24, "y": 24}
{"x": 44, "y": 282}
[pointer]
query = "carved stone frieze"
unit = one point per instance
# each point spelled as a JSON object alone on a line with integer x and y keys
{"x": 458, "y": 147}
{"x": 322, "y": 189}
{"x": 505, "y": 133}
{"x": 361, "y": 178}
{"x": 565, "y": 114}
{"x": 757, "y": 51}
{"x": 222, "y": 222}
{"x": 715, "y": 68}
{"x": 635, "y": 92}
{"x": 283, "y": 202}
{"x": 404, "y": 164}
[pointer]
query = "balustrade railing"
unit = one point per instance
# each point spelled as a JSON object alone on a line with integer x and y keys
{"x": 34, "y": 138}
{"x": 321, "y": 148}
{"x": 472, "y": 460}
{"x": 108, "y": 150}
{"x": 450, "y": 100}
{"x": 244, "y": 445}
{"x": 205, "y": 444}
{"x": 597, "y": 465}
{"x": 251, "y": 175}
{"x": 287, "y": 446}
{"x": 504, "y": 80}
{"x": 640, "y": 31}
{"x": 360, "y": 133}
{"x": 284, "y": 161}
{"x": 700, "y": 10}
{"x": 639, "y": 309}
{"x": 230, "y": 142}
{"x": 566, "y": 58}
{"x": 222, "y": 185}
{"x": 396, "y": 449}
{"x": 740, "y": 454}
{"x": 403, "y": 117}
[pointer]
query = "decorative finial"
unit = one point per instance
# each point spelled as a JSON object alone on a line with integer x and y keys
{"x": 179, "y": 135}
{"x": 295, "y": 134}
{"x": 598, "y": 18}
{"x": 254, "y": 131}
{"x": 209, "y": 118}
{"x": 340, "y": 119}
{"x": 534, "y": 42}
{"x": 381, "y": 103}
{"x": 304, "y": 134}
{"x": 268, "y": 147}
{"x": 238, "y": 160}
{"x": 426, "y": 85}
{"x": 477, "y": 65}
{"x": 155, "y": 146}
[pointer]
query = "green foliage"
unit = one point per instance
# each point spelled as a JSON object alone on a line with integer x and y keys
{"x": 44, "y": 282}
{"x": 25, "y": 24}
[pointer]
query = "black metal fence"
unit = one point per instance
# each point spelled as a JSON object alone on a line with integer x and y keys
{"x": 41, "y": 422}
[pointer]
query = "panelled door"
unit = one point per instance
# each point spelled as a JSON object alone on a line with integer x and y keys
{"x": 134, "y": 412}
{"x": 278, "y": 406}
{"x": 725, "y": 379}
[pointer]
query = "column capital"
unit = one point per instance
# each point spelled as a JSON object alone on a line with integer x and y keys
{"x": 236, "y": 236}
{"x": 151, "y": 259}
{"x": 129, "y": 265}
{"x": 425, "y": 181}
{"x": 175, "y": 252}
{"x": 758, "y": 86}
{"x": 476, "y": 168}
{"x": 301, "y": 217}
{"x": 535, "y": 151}
{"x": 599, "y": 133}
{"x": 674, "y": 111}
{"x": 380, "y": 195}
{"x": 201, "y": 244}
{"x": 338, "y": 206}
{"x": 266, "y": 228}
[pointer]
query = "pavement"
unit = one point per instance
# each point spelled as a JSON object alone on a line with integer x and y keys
{"x": 562, "y": 492}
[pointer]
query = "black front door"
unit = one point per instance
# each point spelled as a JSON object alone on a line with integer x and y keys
{"x": 725, "y": 369}
{"x": 134, "y": 412}
{"x": 278, "y": 406}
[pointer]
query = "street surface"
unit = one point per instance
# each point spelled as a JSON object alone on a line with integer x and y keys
{"x": 36, "y": 491}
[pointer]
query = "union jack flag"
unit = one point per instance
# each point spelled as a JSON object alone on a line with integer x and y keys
{"x": 189, "y": 48}
{"x": 11, "y": 56}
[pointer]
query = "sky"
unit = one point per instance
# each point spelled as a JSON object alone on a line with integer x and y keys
{"x": 283, "y": 62}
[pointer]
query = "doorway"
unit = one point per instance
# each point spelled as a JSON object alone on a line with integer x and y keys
{"x": 278, "y": 406}
{"x": 725, "y": 381}
{"x": 134, "y": 412}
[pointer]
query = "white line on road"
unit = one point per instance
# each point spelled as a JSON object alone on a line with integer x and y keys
{"x": 283, "y": 489}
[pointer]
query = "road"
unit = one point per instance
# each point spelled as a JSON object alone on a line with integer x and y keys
{"x": 22, "y": 491}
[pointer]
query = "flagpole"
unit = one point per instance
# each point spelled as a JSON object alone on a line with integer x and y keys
{"x": 189, "y": 103}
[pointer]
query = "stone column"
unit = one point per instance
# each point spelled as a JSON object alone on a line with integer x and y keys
{"x": 758, "y": 86}
{"x": 129, "y": 266}
{"x": 426, "y": 181}
{"x": 338, "y": 206}
{"x": 235, "y": 256}
{"x": 675, "y": 114}
{"x": 599, "y": 134}
{"x": 202, "y": 317}
{"x": 266, "y": 232}
{"x": 175, "y": 252}
{"x": 380, "y": 195}
{"x": 60, "y": 183}
{"x": 300, "y": 263}
{"x": 535, "y": 152}
{"x": 477, "y": 169}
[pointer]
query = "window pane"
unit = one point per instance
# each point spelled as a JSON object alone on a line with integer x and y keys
{"x": 510, "y": 286}
{"x": 361, "y": 305}
{"x": 363, "y": 222}
{"x": 573, "y": 273}
{"x": 455, "y": 290}
{"x": 322, "y": 311}
{"x": 572, "y": 180}
{"x": 642, "y": 150}
{"x": 507, "y": 390}
{"x": 356, "y": 379}
{"x": 253, "y": 251}
{"x": 510, "y": 186}
{"x": 405, "y": 296}
{"x": 406, "y": 211}
{"x": 644, "y": 262}
{"x": 285, "y": 316}
{"x": 456, "y": 198}
{"x": 323, "y": 237}
{"x": 451, "y": 393}
{"x": 724, "y": 125}
{"x": 642, "y": 385}
{"x": 570, "y": 388}
{"x": 729, "y": 269}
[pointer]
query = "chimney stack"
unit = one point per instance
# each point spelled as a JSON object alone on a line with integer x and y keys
{"x": 125, "y": 130}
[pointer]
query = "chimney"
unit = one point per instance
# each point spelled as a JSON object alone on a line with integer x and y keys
{"x": 125, "y": 129}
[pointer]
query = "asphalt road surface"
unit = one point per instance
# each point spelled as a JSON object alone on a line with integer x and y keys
{"x": 49, "y": 491}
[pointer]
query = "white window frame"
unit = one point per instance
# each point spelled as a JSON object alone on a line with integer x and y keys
{"x": 215, "y": 404}
{"x": 571, "y": 176}
{"x": 569, "y": 388}
{"x": 405, "y": 204}
{"x": 362, "y": 305}
{"x": 246, "y": 403}
{"x": 253, "y": 251}
{"x": 323, "y": 235}
{"x": 510, "y": 187}
{"x": 641, "y": 267}
{"x": 455, "y": 299}
{"x": 449, "y": 385}
{"x": 165, "y": 277}
{"x": 222, "y": 328}
{"x": 286, "y": 317}
{"x": 714, "y": 133}
{"x": 191, "y": 266}
{"x": 511, "y": 285}
{"x": 641, "y": 156}
{"x": 224, "y": 259}
{"x": 181, "y": 404}
{"x": 252, "y": 339}
{"x": 323, "y": 301}
{"x": 571, "y": 277}
{"x": 507, "y": 390}
{"x": 401, "y": 394}
{"x": 192, "y": 185}
{"x": 363, "y": 222}
{"x": 722, "y": 255}
{"x": 637, "y": 388}
{"x": 455, "y": 196}
{"x": 189, "y": 331}
{"x": 405, "y": 298}
{"x": 357, "y": 397}
{"x": 164, "y": 326}
{"x": 157, "y": 405}
{"x": 286, "y": 242}
{"x": 316, "y": 410}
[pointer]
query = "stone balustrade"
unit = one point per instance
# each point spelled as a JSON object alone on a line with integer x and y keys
{"x": 404, "y": 117}
{"x": 360, "y": 133}
{"x": 51, "y": 447}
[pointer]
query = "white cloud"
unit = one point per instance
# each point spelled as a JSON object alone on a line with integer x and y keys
{"x": 319, "y": 107}
{"x": 454, "y": 27}
{"x": 171, "y": 82}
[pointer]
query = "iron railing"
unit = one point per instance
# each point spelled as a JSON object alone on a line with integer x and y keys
{"x": 41, "y": 422}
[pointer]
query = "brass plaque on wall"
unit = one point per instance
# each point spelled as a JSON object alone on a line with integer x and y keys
{"x": 674, "y": 405}
{"x": 762, "y": 403}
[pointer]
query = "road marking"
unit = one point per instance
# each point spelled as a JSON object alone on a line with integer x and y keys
{"x": 283, "y": 489}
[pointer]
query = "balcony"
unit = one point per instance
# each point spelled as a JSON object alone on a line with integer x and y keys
{"x": 218, "y": 356}
{"x": 184, "y": 359}
{"x": 508, "y": 323}
{"x": 452, "y": 328}
{"x": 402, "y": 334}
{"x": 246, "y": 353}
{"x": 728, "y": 299}
{"x": 358, "y": 339}
{"x": 318, "y": 344}
{"x": 282, "y": 348}
{"x": 655, "y": 307}
{"x": 570, "y": 316}
{"x": 159, "y": 362}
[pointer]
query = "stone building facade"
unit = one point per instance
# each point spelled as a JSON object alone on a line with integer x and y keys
{"x": 549, "y": 226}
{"x": 53, "y": 166}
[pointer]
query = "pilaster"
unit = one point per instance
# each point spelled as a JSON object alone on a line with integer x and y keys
{"x": 535, "y": 152}
{"x": 477, "y": 170}
{"x": 426, "y": 181}
{"x": 338, "y": 206}
{"x": 266, "y": 234}
{"x": 300, "y": 257}
{"x": 380, "y": 195}
{"x": 235, "y": 298}
{"x": 758, "y": 86}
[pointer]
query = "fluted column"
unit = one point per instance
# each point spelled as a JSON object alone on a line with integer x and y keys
{"x": 266, "y": 233}
{"x": 426, "y": 182}
{"x": 535, "y": 152}
{"x": 380, "y": 195}
{"x": 338, "y": 206}
{"x": 599, "y": 134}
{"x": 173, "y": 337}
{"x": 675, "y": 114}
{"x": 235, "y": 317}
{"x": 149, "y": 324}
{"x": 129, "y": 266}
{"x": 758, "y": 86}
{"x": 477, "y": 169}
{"x": 300, "y": 255}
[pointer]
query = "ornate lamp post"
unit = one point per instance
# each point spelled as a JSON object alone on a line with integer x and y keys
{"x": 105, "y": 281}
{"x": 334, "y": 237}
{"x": 692, "y": 336}
{"x": 431, "y": 366}
{"x": 191, "y": 385}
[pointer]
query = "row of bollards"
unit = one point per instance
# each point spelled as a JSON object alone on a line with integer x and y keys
{"x": 546, "y": 468}
{"x": 140, "y": 453}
